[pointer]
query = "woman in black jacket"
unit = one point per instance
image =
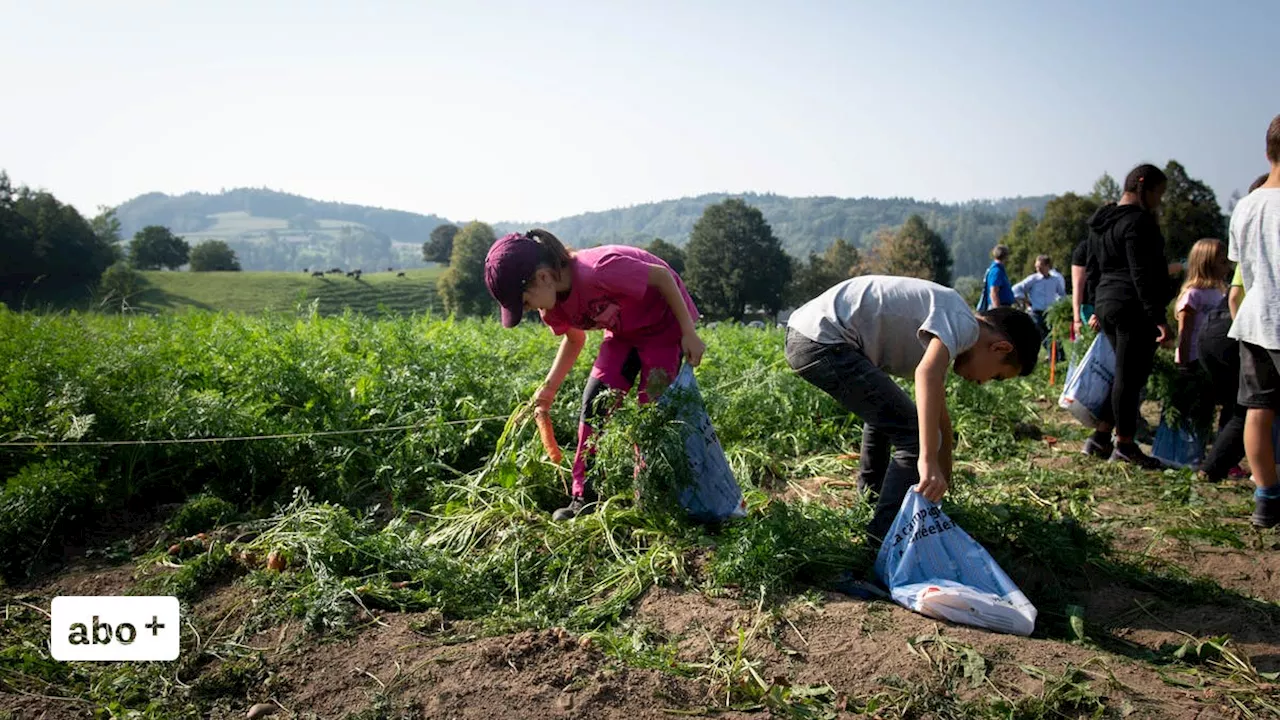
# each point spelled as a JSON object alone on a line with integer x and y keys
{"x": 1128, "y": 278}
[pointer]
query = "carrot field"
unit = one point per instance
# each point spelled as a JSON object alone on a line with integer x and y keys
{"x": 364, "y": 532}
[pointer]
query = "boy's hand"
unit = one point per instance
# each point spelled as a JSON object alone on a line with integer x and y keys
{"x": 933, "y": 479}
{"x": 693, "y": 348}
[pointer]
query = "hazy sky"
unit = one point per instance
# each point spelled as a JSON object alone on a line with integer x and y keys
{"x": 536, "y": 110}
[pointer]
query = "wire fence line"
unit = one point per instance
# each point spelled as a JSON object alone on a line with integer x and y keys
{"x": 240, "y": 438}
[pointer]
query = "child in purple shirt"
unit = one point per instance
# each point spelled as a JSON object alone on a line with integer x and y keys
{"x": 1204, "y": 289}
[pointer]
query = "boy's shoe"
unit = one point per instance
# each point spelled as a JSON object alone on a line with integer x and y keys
{"x": 1266, "y": 512}
{"x": 1134, "y": 456}
{"x": 847, "y": 584}
{"x": 1097, "y": 448}
{"x": 576, "y": 507}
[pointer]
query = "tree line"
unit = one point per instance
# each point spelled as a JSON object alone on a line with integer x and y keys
{"x": 1189, "y": 212}
{"x": 51, "y": 249}
{"x": 733, "y": 261}
{"x": 732, "y": 265}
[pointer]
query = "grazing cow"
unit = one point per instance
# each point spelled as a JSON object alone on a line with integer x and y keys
{"x": 335, "y": 270}
{"x": 306, "y": 269}
{"x": 391, "y": 269}
{"x": 356, "y": 273}
{"x": 399, "y": 274}
{"x": 317, "y": 274}
{"x": 350, "y": 274}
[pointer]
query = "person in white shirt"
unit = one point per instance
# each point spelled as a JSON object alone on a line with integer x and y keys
{"x": 853, "y": 339}
{"x": 1255, "y": 244}
{"x": 1040, "y": 290}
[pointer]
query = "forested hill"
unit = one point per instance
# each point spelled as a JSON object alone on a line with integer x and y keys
{"x": 259, "y": 223}
{"x": 192, "y": 212}
{"x": 807, "y": 224}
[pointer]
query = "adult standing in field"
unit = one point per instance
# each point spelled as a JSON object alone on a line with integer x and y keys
{"x": 1255, "y": 245}
{"x": 1039, "y": 291}
{"x": 849, "y": 340}
{"x": 996, "y": 289}
{"x": 1127, "y": 258}
{"x": 1081, "y": 298}
{"x": 636, "y": 298}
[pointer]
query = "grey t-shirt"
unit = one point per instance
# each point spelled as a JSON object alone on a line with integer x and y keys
{"x": 1255, "y": 244}
{"x": 889, "y": 319}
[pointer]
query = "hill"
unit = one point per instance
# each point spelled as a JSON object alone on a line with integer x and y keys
{"x": 254, "y": 292}
{"x": 271, "y": 230}
{"x": 806, "y": 225}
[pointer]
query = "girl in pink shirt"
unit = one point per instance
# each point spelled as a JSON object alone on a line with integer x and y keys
{"x": 1204, "y": 289}
{"x": 636, "y": 298}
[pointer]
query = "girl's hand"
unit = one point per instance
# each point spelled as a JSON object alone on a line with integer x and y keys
{"x": 544, "y": 397}
{"x": 693, "y": 348}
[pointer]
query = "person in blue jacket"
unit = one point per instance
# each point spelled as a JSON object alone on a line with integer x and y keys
{"x": 997, "y": 291}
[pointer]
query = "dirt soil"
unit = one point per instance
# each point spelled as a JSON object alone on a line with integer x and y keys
{"x": 413, "y": 665}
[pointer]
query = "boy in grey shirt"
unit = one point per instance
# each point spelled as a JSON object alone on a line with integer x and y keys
{"x": 850, "y": 339}
{"x": 1255, "y": 244}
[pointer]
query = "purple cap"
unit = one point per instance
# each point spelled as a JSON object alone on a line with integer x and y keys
{"x": 511, "y": 262}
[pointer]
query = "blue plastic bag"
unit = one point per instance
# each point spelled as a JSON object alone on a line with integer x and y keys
{"x": 714, "y": 494}
{"x": 1088, "y": 386}
{"x": 1177, "y": 448}
{"x": 933, "y": 567}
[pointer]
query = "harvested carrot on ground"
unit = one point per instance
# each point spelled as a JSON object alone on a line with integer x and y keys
{"x": 543, "y": 420}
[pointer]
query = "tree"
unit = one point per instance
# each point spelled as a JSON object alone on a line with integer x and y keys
{"x": 1190, "y": 212}
{"x": 213, "y": 256}
{"x": 733, "y": 260}
{"x": 913, "y": 251}
{"x": 440, "y": 247}
{"x": 1019, "y": 240}
{"x": 1065, "y": 225}
{"x": 107, "y": 227}
{"x": 1106, "y": 190}
{"x": 119, "y": 283}
{"x": 970, "y": 288}
{"x": 154, "y": 246}
{"x": 839, "y": 262}
{"x": 45, "y": 241}
{"x": 462, "y": 286}
{"x": 668, "y": 253}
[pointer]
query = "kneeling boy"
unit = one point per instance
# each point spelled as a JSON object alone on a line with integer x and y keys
{"x": 850, "y": 339}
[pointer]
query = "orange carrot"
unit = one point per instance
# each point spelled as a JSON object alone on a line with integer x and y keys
{"x": 543, "y": 420}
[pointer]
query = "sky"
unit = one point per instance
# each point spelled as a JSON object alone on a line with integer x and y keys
{"x": 527, "y": 111}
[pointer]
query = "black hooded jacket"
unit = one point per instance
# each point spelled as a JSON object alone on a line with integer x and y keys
{"x": 1126, "y": 264}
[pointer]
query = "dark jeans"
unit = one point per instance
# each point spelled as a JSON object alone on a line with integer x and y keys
{"x": 890, "y": 434}
{"x": 1134, "y": 339}
{"x": 1221, "y": 360}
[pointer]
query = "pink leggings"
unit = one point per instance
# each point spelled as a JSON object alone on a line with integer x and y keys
{"x": 616, "y": 368}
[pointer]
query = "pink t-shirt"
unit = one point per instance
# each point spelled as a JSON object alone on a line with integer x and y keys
{"x": 1202, "y": 300}
{"x": 611, "y": 291}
